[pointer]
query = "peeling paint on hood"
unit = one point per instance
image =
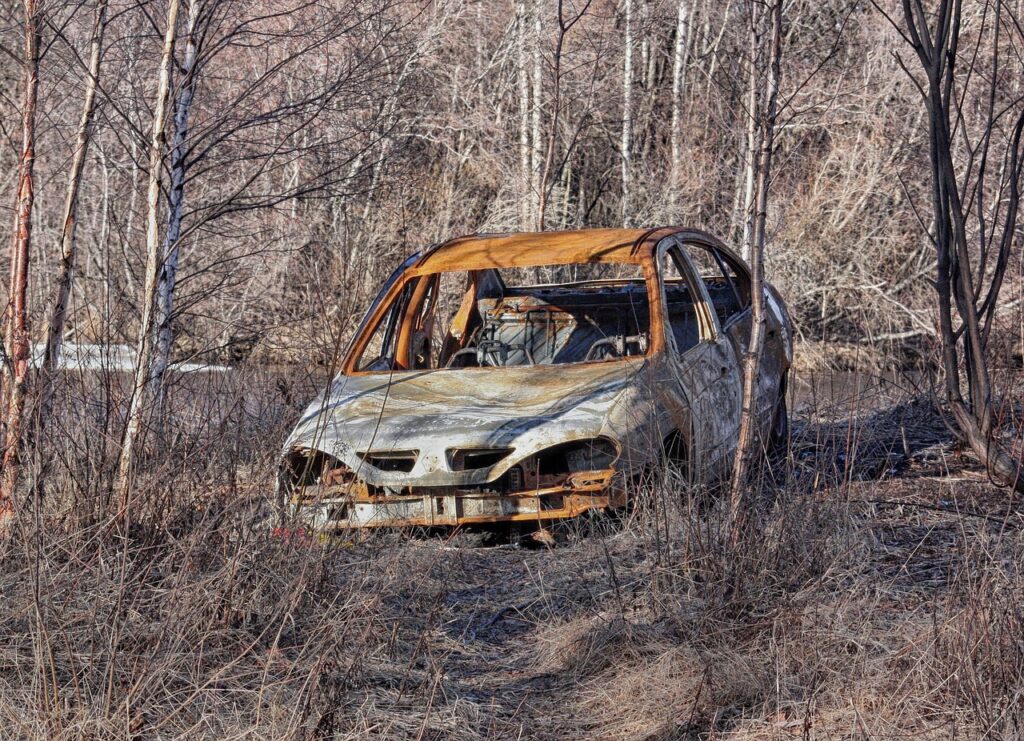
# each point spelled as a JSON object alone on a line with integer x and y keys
{"x": 525, "y": 408}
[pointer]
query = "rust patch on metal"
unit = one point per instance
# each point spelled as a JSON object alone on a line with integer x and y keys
{"x": 354, "y": 506}
{"x": 530, "y": 401}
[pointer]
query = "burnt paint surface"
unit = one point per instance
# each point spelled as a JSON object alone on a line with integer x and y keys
{"x": 526, "y": 408}
{"x": 633, "y": 402}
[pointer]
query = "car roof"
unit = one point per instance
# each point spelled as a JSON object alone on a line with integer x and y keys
{"x": 531, "y": 249}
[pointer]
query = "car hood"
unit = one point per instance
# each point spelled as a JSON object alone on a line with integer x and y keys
{"x": 525, "y": 408}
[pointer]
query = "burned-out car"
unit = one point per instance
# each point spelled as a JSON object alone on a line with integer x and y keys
{"x": 534, "y": 377}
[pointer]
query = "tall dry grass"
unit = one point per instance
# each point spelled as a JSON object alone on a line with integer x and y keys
{"x": 877, "y": 595}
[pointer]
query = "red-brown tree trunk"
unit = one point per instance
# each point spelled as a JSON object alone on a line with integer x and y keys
{"x": 16, "y": 338}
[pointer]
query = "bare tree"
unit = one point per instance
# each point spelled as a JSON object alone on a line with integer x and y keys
{"x": 970, "y": 261}
{"x": 253, "y": 126}
{"x": 766, "y": 114}
{"x": 680, "y": 53}
{"x": 164, "y": 337}
{"x": 523, "y": 90}
{"x": 69, "y": 232}
{"x": 564, "y": 26}
{"x": 269, "y": 115}
{"x": 626, "y": 142}
{"x": 537, "y": 95}
{"x": 157, "y": 145}
{"x": 16, "y": 340}
{"x": 750, "y": 160}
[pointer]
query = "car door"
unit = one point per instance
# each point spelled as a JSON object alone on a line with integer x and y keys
{"x": 727, "y": 281}
{"x": 703, "y": 362}
{"x": 738, "y": 329}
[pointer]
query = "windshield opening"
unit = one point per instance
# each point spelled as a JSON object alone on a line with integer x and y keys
{"x": 516, "y": 317}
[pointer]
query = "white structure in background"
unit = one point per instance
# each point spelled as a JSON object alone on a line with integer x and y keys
{"x": 120, "y": 358}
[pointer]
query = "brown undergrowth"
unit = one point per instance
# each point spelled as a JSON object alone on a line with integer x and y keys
{"x": 878, "y": 596}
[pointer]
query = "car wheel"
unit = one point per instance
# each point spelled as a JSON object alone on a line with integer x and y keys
{"x": 778, "y": 439}
{"x": 675, "y": 455}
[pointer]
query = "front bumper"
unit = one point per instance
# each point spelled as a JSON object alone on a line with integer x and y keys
{"x": 329, "y": 508}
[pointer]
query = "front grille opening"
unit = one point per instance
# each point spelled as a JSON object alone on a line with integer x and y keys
{"x": 390, "y": 460}
{"x": 388, "y": 491}
{"x": 302, "y": 468}
{"x": 513, "y": 479}
{"x": 581, "y": 455}
{"x": 471, "y": 459}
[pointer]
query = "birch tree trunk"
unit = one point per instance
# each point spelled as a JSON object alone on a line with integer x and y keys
{"x": 164, "y": 335}
{"x": 523, "y": 86}
{"x": 750, "y": 164}
{"x": 645, "y": 41}
{"x": 158, "y": 141}
{"x": 752, "y": 359}
{"x": 646, "y": 139}
{"x": 679, "y": 56}
{"x": 16, "y": 339}
{"x": 69, "y": 242}
{"x": 537, "y": 148}
{"x": 564, "y": 26}
{"x": 549, "y": 154}
{"x": 627, "y": 115}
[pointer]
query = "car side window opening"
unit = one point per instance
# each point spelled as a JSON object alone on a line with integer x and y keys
{"x": 679, "y": 303}
{"x": 728, "y": 287}
{"x": 379, "y": 352}
{"x": 449, "y": 312}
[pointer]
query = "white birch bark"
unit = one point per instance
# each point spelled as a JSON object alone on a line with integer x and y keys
{"x": 627, "y": 115}
{"x": 523, "y": 87}
{"x": 158, "y": 141}
{"x": 711, "y": 50}
{"x": 163, "y": 338}
{"x": 645, "y": 40}
{"x": 537, "y": 146}
{"x": 679, "y": 55}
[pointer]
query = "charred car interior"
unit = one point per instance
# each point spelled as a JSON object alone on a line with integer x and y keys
{"x": 529, "y": 377}
{"x": 465, "y": 319}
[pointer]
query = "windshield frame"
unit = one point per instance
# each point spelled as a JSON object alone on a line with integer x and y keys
{"x": 379, "y": 309}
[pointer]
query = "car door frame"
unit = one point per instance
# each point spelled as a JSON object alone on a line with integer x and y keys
{"x": 707, "y": 375}
{"x": 738, "y": 329}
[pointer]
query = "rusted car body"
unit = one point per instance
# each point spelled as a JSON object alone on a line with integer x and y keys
{"x": 533, "y": 377}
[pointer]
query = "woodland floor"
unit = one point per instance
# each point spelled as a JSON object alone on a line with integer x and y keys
{"x": 879, "y": 594}
{"x": 857, "y": 631}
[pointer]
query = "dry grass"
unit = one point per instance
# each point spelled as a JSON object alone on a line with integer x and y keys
{"x": 879, "y": 596}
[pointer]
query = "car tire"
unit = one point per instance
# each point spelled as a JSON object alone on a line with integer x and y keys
{"x": 778, "y": 437}
{"x": 675, "y": 454}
